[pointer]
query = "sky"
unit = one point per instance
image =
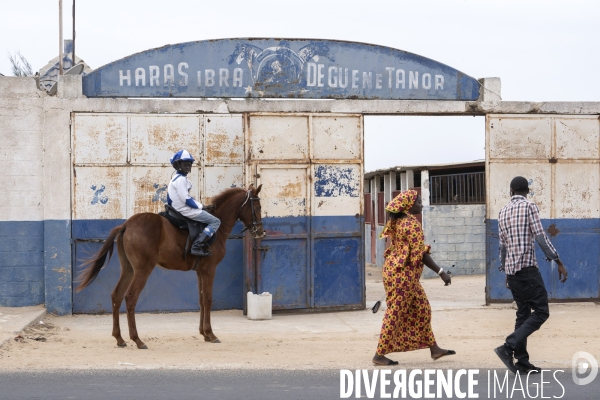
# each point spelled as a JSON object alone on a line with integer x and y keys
{"x": 542, "y": 50}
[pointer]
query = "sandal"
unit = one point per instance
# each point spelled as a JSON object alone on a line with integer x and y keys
{"x": 385, "y": 361}
{"x": 390, "y": 362}
{"x": 376, "y": 307}
{"x": 447, "y": 353}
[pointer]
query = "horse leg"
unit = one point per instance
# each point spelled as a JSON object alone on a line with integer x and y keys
{"x": 117, "y": 299}
{"x": 206, "y": 284}
{"x": 119, "y": 292}
{"x": 201, "y": 302}
{"x": 140, "y": 277}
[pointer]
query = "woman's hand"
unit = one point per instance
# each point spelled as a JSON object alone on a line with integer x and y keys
{"x": 446, "y": 278}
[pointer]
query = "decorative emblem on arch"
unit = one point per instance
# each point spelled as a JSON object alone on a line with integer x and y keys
{"x": 277, "y": 65}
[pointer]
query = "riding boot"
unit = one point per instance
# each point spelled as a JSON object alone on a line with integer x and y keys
{"x": 199, "y": 247}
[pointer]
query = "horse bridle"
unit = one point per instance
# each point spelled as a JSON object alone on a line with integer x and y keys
{"x": 254, "y": 229}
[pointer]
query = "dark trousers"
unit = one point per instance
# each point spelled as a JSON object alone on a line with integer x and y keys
{"x": 529, "y": 293}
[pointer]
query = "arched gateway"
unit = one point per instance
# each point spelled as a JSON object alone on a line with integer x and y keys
{"x": 107, "y": 138}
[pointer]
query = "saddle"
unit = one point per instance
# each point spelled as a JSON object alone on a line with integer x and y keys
{"x": 194, "y": 228}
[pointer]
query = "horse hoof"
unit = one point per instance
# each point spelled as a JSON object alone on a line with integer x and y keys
{"x": 143, "y": 347}
{"x": 121, "y": 345}
{"x": 215, "y": 341}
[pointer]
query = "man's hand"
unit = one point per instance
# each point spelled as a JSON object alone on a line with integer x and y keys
{"x": 506, "y": 282}
{"x": 446, "y": 278}
{"x": 562, "y": 271}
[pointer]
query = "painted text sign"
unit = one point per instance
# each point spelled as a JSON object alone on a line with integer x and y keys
{"x": 275, "y": 68}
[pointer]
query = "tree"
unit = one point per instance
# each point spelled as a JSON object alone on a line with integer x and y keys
{"x": 20, "y": 65}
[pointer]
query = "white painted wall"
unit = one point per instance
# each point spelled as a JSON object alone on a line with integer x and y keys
{"x": 21, "y": 150}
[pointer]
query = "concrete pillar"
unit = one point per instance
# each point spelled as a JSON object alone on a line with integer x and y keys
{"x": 69, "y": 87}
{"x": 425, "y": 197}
{"x": 410, "y": 179}
{"x": 57, "y": 199}
{"x": 490, "y": 91}
{"x": 387, "y": 179}
{"x": 425, "y": 187}
{"x": 403, "y": 185}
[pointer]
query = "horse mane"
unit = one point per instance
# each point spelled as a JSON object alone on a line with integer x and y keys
{"x": 225, "y": 196}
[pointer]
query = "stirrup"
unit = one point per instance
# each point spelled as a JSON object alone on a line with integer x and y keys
{"x": 200, "y": 250}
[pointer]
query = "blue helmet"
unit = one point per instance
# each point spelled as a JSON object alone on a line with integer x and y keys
{"x": 181, "y": 155}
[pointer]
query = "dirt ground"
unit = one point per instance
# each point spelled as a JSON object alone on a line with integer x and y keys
{"x": 347, "y": 340}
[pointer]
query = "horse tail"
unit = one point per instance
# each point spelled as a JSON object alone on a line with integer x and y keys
{"x": 96, "y": 263}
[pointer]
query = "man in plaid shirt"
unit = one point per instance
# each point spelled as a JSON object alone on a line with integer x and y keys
{"x": 519, "y": 226}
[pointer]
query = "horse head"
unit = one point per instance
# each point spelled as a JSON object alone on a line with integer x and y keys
{"x": 249, "y": 213}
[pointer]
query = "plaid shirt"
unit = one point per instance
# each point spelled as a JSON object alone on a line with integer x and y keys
{"x": 519, "y": 224}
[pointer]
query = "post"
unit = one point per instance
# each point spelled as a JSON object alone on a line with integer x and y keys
{"x": 60, "y": 39}
{"x": 74, "y": 62}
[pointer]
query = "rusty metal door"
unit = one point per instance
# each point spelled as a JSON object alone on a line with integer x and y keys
{"x": 121, "y": 167}
{"x": 560, "y": 157}
{"x": 311, "y": 171}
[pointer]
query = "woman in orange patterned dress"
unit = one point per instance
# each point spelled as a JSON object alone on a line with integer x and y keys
{"x": 407, "y": 321}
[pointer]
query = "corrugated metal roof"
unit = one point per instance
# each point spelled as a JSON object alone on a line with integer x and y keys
{"x": 422, "y": 167}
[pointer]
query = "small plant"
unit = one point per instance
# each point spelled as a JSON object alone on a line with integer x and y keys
{"x": 20, "y": 65}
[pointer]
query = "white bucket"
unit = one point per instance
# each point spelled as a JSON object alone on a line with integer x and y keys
{"x": 260, "y": 306}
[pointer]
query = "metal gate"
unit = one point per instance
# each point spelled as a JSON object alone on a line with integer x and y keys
{"x": 120, "y": 167}
{"x": 311, "y": 169}
{"x": 560, "y": 156}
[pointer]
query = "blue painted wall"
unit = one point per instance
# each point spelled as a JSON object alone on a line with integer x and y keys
{"x": 578, "y": 245}
{"x": 312, "y": 262}
{"x": 325, "y": 271}
{"x": 57, "y": 266}
{"x": 165, "y": 290}
{"x": 21, "y": 263}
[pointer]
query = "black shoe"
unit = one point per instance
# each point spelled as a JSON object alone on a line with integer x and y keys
{"x": 527, "y": 368}
{"x": 200, "y": 250}
{"x": 376, "y": 307}
{"x": 199, "y": 247}
{"x": 506, "y": 356}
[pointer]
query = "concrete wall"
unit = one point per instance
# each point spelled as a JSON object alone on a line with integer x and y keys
{"x": 35, "y": 216}
{"x": 21, "y": 211}
{"x": 559, "y": 155}
{"x": 456, "y": 234}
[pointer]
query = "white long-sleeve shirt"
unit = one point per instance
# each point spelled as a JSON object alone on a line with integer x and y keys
{"x": 178, "y": 196}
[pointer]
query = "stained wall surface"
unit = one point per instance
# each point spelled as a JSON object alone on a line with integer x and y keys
{"x": 559, "y": 155}
{"x": 40, "y": 209}
{"x": 22, "y": 209}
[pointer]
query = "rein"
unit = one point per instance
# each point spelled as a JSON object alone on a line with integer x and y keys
{"x": 254, "y": 229}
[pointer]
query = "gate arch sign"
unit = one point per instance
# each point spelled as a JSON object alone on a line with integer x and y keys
{"x": 280, "y": 68}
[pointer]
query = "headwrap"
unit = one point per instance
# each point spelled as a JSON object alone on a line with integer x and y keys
{"x": 403, "y": 202}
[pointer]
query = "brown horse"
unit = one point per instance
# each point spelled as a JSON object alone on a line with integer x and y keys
{"x": 146, "y": 240}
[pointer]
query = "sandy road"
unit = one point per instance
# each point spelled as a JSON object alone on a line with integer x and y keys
{"x": 308, "y": 341}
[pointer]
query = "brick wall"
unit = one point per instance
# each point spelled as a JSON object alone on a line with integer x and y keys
{"x": 456, "y": 234}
